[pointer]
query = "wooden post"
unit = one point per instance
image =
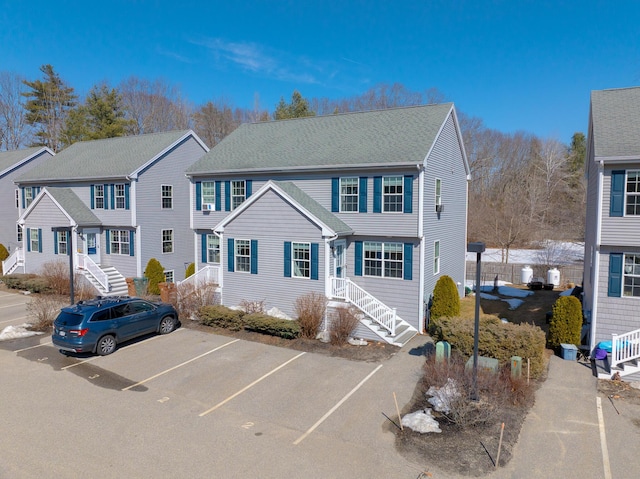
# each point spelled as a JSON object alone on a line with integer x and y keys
{"x": 398, "y": 411}
{"x": 499, "y": 445}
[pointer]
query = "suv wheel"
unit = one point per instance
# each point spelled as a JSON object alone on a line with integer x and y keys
{"x": 106, "y": 345}
{"x": 167, "y": 324}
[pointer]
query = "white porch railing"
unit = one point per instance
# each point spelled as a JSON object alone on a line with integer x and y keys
{"x": 16, "y": 259}
{"x": 89, "y": 266}
{"x": 625, "y": 347}
{"x": 344, "y": 288}
{"x": 208, "y": 274}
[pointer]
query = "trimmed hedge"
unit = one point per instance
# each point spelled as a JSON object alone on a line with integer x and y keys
{"x": 222, "y": 317}
{"x": 496, "y": 340}
{"x": 566, "y": 322}
{"x": 27, "y": 282}
{"x": 265, "y": 324}
{"x": 154, "y": 272}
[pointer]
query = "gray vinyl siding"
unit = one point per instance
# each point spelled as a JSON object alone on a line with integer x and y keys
{"x": 614, "y": 315}
{"x": 125, "y": 264}
{"x": 152, "y": 218}
{"x": 617, "y": 231}
{"x": 9, "y": 213}
{"x": 446, "y": 163}
{"x": 46, "y": 216}
{"x": 271, "y": 221}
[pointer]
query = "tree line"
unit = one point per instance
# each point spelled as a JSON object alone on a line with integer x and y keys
{"x": 523, "y": 191}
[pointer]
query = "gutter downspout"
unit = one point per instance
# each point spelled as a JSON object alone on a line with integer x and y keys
{"x": 421, "y": 272}
{"x": 595, "y": 289}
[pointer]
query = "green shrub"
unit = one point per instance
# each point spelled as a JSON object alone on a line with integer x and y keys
{"x": 191, "y": 269}
{"x": 27, "y": 282}
{"x": 496, "y": 339}
{"x": 4, "y": 254}
{"x": 222, "y": 317}
{"x": 566, "y": 322}
{"x": 446, "y": 301}
{"x": 154, "y": 272}
{"x": 262, "y": 323}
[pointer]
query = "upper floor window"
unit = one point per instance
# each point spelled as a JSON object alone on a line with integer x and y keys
{"x": 120, "y": 196}
{"x": 98, "y": 196}
{"x": 28, "y": 196}
{"x": 208, "y": 194}
{"x": 383, "y": 259}
{"x": 17, "y": 199}
{"x": 633, "y": 192}
{"x": 438, "y": 198}
{"x": 392, "y": 194}
{"x": 238, "y": 193}
{"x": 167, "y": 197}
{"x": 348, "y": 194}
{"x": 167, "y": 241}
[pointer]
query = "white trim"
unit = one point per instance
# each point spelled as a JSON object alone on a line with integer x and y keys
{"x": 162, "y": 197}
{"x": 421, "y": 273}
{"x": 595, "y": 287}
{"x": 37, "y": 199}
{"x": 26, "y": 159}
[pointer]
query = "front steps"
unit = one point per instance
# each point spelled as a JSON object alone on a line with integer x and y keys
{"x": 117, "y": 282}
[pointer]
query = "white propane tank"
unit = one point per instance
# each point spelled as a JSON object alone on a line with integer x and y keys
{"x": 553, "y": 277}
{"x": 527, "y": 274}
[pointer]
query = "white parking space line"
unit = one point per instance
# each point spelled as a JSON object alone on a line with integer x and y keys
{"x": 33, "y": 347}
{"x": 250, "y": 385}
{"x": 14, "y": 319}
{"x": 179, "y": 365}
{"x": 334, "y": 408}
{"x": 12, "y": 305}
{"x": 603, "y": 441}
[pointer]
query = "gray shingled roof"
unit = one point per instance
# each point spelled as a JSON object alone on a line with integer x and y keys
{"x": 400, "y": 135}
{"x": 616, "y": 122}
{"x": 110, "y": 158}
{"x": 74, "y": 206}
{"x": 315, "y": 208}
{"x": 10, "y": 158}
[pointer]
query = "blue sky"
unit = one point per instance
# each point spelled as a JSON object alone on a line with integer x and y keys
{"x": 518, "y": 65}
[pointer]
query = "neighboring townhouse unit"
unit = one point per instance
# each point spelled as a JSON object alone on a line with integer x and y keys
{"x": 612, "y": 240}
{"x": 115, "y": 204}
{"x": 13, "y": 164}
{"x": 368, "y": 209}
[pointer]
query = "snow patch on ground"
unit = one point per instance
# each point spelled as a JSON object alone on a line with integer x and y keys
{"x": 15, "y": 332}
{"x": 421, "y": 421}
{"x": 513, "y": 303}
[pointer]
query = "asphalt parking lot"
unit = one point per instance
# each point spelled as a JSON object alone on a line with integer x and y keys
{"x": 192, "y": 404}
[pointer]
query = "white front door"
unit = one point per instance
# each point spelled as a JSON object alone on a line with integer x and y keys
{"x": 92, "y": 244}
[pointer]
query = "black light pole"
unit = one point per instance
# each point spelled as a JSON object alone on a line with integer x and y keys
{"x": 477, "y": 248}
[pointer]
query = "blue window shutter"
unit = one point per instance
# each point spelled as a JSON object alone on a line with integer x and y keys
{"x": 615, "y": 275}
{"x": 407, "y": 270}
{"x": 227, "y": 196}
{"x": 377, "y": 194}
{"x": 55, "y": 241}
{"x": 107, "y": 235}
{"x": 230, "y": 262}
{"x": 113, "y": 196}
{"x": 218, "y": 195}
{"x": 358, "y": 259}
{"x": 616, "y": 207}
{"x": 362, "y": 195}
{"x": 93, "y": 201}
{"x": 248, "y": 186}
{"x": 24, "y": 200}
{"x": 126, "y": 195}
{"x": 254, "y": 256}
{"x": 28, "y": 238}
{"x": 335, "y": 195}
{"x": 314, "y": 260}
{"x": 408, "y": 194}
{"x": 287, "y": 259}
{"x": 39, "y": 240}
{"x": 203, "y": 243}
{"x": 198, "y": 196}
{"x": 105, "y": 189}
{"x": 132, "y": 236}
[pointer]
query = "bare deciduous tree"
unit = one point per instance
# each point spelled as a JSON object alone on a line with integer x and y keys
{"x": 14, "y": 131}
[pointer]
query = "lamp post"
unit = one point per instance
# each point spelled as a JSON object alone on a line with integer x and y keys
{"x": 477, "y": 248}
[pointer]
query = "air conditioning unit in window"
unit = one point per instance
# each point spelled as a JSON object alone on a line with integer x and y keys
{"x": 208, "y": 206}
{"x": 439, "y": 208}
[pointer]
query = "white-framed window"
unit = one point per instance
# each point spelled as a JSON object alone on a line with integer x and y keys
{"x": 19, "y": 233}
{"x": 436, "y": 257}
{"x": 238, "y": 193}
{"x": 167, "y": 241}
{"x": 120, "y": 196}
{"x": 98, "y": 196}
{"x": 438, "y": 191}
{"x": 63, "y": 241}
{"x": 35, "y": 239}
{"x": 243, "y": 256}
{"x": 348, "y": 195}
{"x": 167, "y": 197}
{"x": 631, "y": 275}
{"x": 17, "y": 198}
{"x": 383, "y": 259}
{"x": 209, "y": 193}
{"x": 28, "y": 196}
{"x": 213, "y": 249}
{"x": 633, "y": 192}
{"x": 392, "y": 194}
{"x": 119, "y": 242}
{"x": 301, "y": 260}
{"x": 168, "y": 276}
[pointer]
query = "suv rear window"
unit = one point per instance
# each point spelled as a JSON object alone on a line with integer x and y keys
{"x": 69, "y": 319}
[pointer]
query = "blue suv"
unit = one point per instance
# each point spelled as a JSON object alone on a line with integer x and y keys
{"x": 100, "y": 324}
